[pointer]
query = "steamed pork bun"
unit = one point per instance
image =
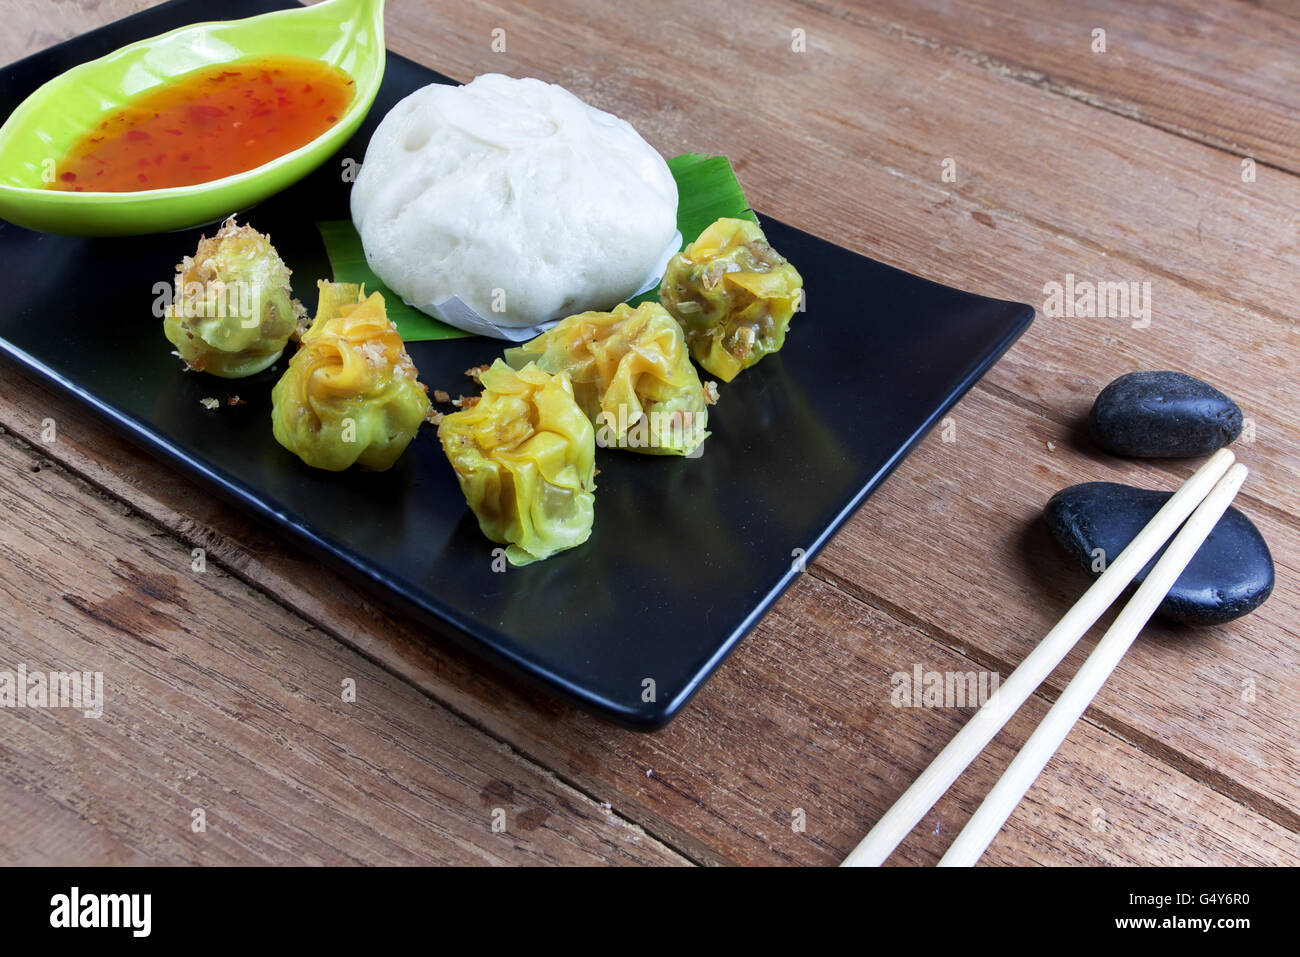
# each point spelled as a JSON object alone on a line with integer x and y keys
{"x": 515, "y": 197}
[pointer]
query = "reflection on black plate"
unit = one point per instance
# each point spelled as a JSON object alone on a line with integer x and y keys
{"x": 686, "y": 553}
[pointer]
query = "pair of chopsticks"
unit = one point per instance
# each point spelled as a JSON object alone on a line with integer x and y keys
{"x": 1205, "y": 497}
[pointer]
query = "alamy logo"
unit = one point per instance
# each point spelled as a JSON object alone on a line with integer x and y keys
{"x": 942, "y": 689}
{"x": 214, "y": 299}
{"x": 637, "y": 430}
{"x": 133, "y": 911}
{"x": 1098, "y": 300}
{"x": 81, "y": 690}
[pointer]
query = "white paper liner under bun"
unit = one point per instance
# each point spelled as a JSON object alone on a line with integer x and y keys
{"x": 455, "y": 312}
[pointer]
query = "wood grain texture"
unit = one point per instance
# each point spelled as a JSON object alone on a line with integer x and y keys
{"x": 777, "y": 729}
{"x": 1222, "y": 702}
{"x": 1217, "y": 72}
{"x": 217, "y": 698}
{"x": 34, "y": 26}
{"x": 1046, "y": 187}
{"x": 1101, "y": 174}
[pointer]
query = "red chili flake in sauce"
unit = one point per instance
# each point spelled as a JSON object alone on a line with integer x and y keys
{"x": 211, "y": 123}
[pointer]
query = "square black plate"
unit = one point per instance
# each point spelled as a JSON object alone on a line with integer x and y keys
{"x": 686, "y": 555}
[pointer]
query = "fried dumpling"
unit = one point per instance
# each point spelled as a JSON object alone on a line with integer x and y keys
{"x": 525, "y": 457}
{"x": 350, "y": 394}
{"x": 232, "y": 311}
{"x": 734, "y": 296}
{"x": 631, "y": 375}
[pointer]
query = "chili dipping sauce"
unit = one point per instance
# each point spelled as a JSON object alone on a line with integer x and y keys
{"x": 213, "y": 122}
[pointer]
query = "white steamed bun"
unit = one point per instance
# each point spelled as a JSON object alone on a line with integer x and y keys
{"x": 513, "y": 185}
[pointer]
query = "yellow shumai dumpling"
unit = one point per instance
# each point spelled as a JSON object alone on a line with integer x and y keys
{"x": 232, "y": 312}
{"x": 733, "y": 294}
{"x": 525, "y": 457}
{"x": 631, "y": 375}
{"x": 350, "y": 394}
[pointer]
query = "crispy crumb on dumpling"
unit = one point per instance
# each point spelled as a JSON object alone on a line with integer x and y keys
{"x": 734, "y": 296}
{"x": 232, "y": 311}
{"x": 351, "y": 394}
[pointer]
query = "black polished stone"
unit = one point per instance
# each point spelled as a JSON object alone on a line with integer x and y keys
{"x": 1163, "y": 415}
{"x": 1230, "y": 576}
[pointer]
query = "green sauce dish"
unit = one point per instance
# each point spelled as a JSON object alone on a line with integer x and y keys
{"x": 348, "y": 34}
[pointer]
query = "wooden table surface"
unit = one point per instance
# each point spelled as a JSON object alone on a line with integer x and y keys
{"x": 1120, "y": 165}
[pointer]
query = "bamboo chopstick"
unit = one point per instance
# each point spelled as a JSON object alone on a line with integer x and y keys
{"x": 1021, "y": 683}
{"x": 1020, "y": 775}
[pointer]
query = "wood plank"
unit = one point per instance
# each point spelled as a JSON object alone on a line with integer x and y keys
{"x": 1061, "y": 363}
{"x": 800, "y": 717}
{"x": 217, "y": 698}
{"x": 992, "y": 582}
{"x": 1035, "y": 198}
{"x": 1039, "y": 200}
{"x": 1100, "y": 801}
{"x": 1219, "y": 73}
{"x": 38, "y": 832}
{"x": 1011, "y": 223}
{"x": 1286, "y": 7}
{"x": 35, "y": 26}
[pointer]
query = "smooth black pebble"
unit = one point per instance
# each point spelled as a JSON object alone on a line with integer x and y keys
{"x": 1229, "y": 576}
{"x": 1163, "y": 415}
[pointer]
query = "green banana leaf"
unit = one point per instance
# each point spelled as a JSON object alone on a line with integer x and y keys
{"x": 707, "y": 190}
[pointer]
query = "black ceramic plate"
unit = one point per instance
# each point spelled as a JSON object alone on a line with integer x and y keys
{"x": 686, "y": 555}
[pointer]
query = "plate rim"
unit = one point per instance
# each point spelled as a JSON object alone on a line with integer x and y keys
{"x": 444, "y": 621}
